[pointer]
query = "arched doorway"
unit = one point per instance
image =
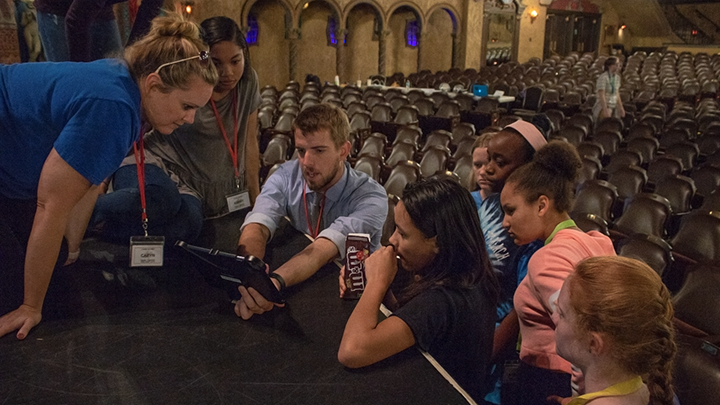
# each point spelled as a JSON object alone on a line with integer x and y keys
{"x": 270, "y": 55}
{"x": 404, "y": 28}
{"x": 364, "y": 25}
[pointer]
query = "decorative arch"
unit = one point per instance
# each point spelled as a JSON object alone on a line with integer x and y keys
{"x": 372, "y": 3}
{"x": 334, "y": 7}
{"x": 412, "y": 6}
{"x": 454, "y": 14}
{"x": 250, "y": 3}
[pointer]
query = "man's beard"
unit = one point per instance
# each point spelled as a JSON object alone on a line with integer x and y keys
{"x": 323, "y": 180}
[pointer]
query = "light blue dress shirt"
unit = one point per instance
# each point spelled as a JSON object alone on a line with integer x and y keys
{"x": 355, "y": 204}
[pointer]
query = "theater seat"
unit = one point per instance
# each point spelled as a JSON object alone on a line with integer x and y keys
{"x": 696, "y": 372}
{"x": 679, "y": 190}
{"x": 591, "y": 168}
{"x": 374, "y": 146}
{"x": 437, "y": 138}
{"x": 370, "y": 165}
{"x": 711, "y": 202}
{"x": 646, "y": 147}
{"x": 622, "y": 159}
{"x": 610, "y": 124}
{"x": 595, "y": 197}
{"x": 629, "y": 181}
{"x": 277, "y": 150}
{"x": 663, "y": 166}
{"x": 590, "y": 148}
{"x": 461, "y": 131}
{"x": 434, "y": 159}
{"x": 401, "y": 151}
{"x": 644, "y": 213}
{"x": 389, "y": 225}
{"x": 692, "y": 301}
{"x": 464, "y": 170}
{"x": 464, "y": 148}
{"x": 706, "y": 178}
{"x": 699, "y": 237}
{"x": 409, "y": 134}
{"x": 649, "y": 249}
{"x": 404, "y": 172}
{"x": 697, "y": 242}
{"x": 687, "y": 152}
{"x": 610, "y": 141}
{"x": 574, "y": 135}
{"x": 360, "y": 123}
{"x": 590, "y": 222}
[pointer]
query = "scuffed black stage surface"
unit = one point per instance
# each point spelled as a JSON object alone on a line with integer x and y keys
{"x": 173, "y": 339}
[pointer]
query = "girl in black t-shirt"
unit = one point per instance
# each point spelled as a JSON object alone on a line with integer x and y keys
{"x": 449, "y": 308}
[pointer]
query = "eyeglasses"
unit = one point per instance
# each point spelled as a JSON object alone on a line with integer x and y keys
{"x": 203, "y": 56}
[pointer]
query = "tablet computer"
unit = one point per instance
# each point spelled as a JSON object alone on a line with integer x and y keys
{"x": 480, "y": 90}
{"x": 248, "y": 271}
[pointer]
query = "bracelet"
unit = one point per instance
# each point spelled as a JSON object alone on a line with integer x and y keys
{"x": 279, "y": 279}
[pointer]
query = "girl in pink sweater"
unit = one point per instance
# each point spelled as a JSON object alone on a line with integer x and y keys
{"x": 536, "y": 200}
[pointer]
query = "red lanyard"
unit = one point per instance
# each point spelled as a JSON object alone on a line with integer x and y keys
{"x": 140, "y": 164}
{"x": 315, "y": 233}
{"x": 233, "y": 152}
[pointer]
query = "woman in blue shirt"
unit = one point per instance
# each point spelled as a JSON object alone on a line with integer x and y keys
{"x": 63, "y": 138}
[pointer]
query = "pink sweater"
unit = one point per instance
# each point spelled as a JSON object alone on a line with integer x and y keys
{"x": 535, "y": 296}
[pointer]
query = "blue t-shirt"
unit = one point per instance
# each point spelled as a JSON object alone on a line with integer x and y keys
{"x": 510, "y": 264}
{"x": 477, "y": 197}
{"x": 502, "y": 251}
{"x": 88, "y": 112}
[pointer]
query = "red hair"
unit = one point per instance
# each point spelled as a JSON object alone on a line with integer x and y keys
{"x": 627, "y": 301}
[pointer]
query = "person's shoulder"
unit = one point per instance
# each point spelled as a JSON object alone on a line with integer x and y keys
{"x": 358, "y": 179}
{"x": 570, "y": 242}
{"x": 290, "y": 169}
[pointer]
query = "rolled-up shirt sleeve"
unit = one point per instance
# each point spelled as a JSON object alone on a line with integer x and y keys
{"x": 271, "y": 205}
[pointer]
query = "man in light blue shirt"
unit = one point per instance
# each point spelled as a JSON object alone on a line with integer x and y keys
{"x": 323, "y": 197}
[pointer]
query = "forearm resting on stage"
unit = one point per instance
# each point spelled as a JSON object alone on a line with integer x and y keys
{"x": 308, "y": 261}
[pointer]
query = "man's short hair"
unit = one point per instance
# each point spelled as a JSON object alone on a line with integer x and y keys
{"x": 324, "y": 116}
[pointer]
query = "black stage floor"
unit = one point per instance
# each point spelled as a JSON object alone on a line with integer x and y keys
{"x": 112, "y": 335}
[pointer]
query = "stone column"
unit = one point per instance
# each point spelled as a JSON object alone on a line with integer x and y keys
{"x": 381, "y": 51}
{"x": 457, "y": 56}
{"x": 340, "y": 54}
{"x": 294, "y": 39}
{"x": 420, "y": 37}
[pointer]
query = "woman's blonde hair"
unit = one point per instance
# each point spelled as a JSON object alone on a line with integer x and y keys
{"x": 171, "y": 38}
{"x": 627, "y": 301}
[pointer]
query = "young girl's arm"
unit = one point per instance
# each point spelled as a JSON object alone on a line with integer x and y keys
{"x": 365, "y": 341}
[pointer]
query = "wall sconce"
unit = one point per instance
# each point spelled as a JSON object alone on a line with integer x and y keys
{"x": 187, "y": 7}
{"x": 622, "y": 26}
{"x": 533, "y": 15}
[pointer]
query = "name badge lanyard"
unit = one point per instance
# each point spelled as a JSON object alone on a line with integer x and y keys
{"x": 233, "y": 152}
{"x": 140, "y": 164}
{"x": 145, "y": 251}
{"x": 314, "y": 233}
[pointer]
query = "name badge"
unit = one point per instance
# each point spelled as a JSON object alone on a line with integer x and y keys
{"x": 146, "y": 251}
{"x": 238, "y": 201}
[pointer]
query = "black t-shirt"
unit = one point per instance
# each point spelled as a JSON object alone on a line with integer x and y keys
{"x": 456, "y": 327}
